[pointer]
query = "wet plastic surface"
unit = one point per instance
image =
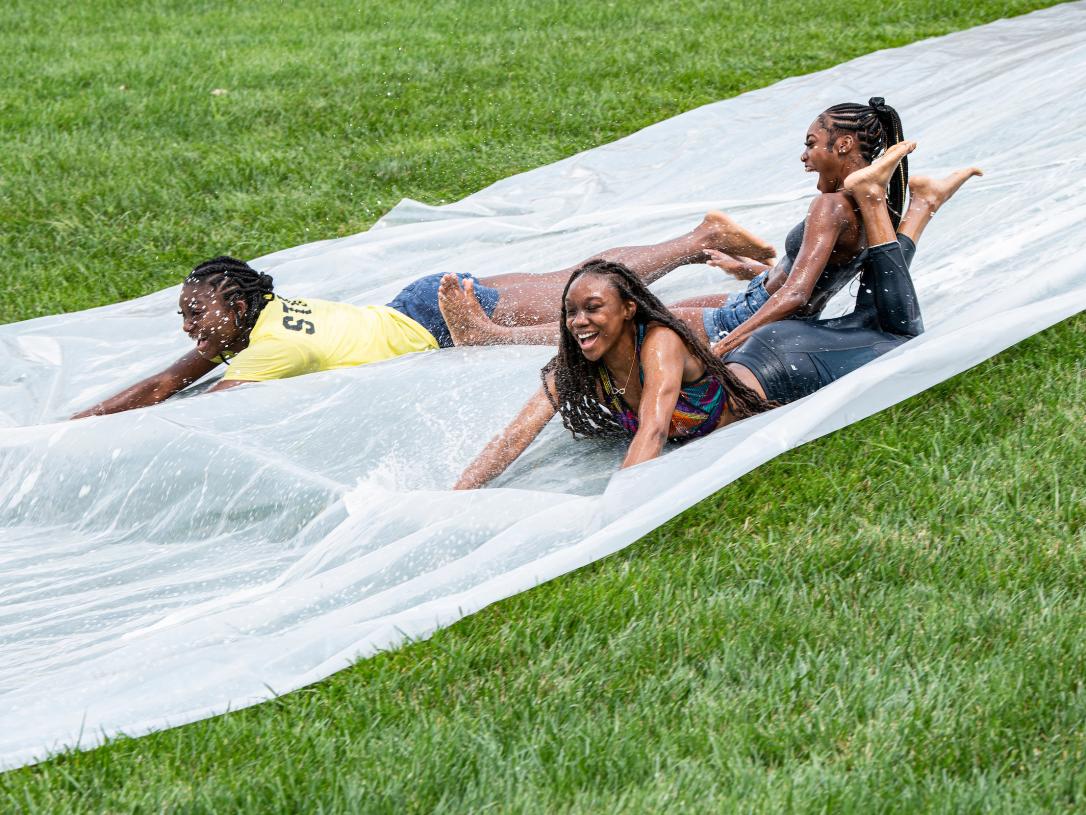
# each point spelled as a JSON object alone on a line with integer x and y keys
{"x": 165, "y": 565}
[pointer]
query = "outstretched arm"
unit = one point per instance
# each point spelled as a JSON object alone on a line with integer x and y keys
{"x": 504, "y": 448}
{"x": 154, "y": 389}
{"x": 826, "y": 219}
{"x": 663, "y": 356}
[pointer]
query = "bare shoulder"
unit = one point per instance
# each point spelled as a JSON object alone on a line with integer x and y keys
{"x": 830, "y": 204}
{"x": 548, "y": 379}
{"x": 660, "y": 335}
{"x": 662, "y": 342}
{"x": 550, "y": 387}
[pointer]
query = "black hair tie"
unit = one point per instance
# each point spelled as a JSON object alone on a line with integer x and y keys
{"x": 878, "y": 104}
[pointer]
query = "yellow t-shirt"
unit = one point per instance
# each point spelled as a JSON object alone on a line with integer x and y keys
{"x": 293, "y": 337}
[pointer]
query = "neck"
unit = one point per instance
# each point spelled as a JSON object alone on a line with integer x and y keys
{"x": 240, "y": 343}
{"x": 835, "y": 181}
{"x": 621, "y": 356}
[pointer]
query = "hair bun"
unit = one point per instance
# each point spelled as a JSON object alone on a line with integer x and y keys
{"x": 878, "y": 103}
{"x": 265, "y": 281}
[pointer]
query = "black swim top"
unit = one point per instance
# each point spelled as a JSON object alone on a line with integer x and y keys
{"x": 833, "y": 278}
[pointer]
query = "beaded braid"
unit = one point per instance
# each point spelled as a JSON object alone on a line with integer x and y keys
{"x": 876, "y": 126}
{"x": 577, "y": 379}
{"x": 235, "y": 280}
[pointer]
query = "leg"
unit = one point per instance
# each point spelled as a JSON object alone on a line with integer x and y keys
{"x": 700, "y": 301}
{"x": 469, "y": 325}
{"x": 889, "y": 288}
{"x": 867, "y": 187}
{"x": 865, "y": 312}
{"x": 531, "y": 299}
{"x": 534, "y": 300}
{"x": 481, "y": 330}
{"x": 926, "y": 195}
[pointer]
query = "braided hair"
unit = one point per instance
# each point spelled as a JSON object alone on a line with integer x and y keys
{"x": 576, "y": 378}
{"x": 876, "y": 127}
{"x": 235, "y": 280}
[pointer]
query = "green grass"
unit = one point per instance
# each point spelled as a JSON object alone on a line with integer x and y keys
{"x": 887, "y": 619}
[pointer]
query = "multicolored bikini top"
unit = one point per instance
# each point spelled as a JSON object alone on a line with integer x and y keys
{"x": 697, "y": 411}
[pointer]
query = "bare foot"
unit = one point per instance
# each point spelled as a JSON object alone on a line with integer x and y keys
{"x": 933, "y": 193}
{"x": 738, "y": 267}
{"x": 725, "y": 235}
{"x": 467, "y": 322}
{"x": 871, "y": 181}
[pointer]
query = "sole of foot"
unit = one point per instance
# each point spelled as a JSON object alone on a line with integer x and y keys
{"x": 733, "y": 239}
{"x": 937, "y": 191}
{"x": 873, "y": 178}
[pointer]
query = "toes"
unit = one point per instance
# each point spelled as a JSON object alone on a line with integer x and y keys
{"x": 897, "y": 152}
{"x": 449, "y": 288}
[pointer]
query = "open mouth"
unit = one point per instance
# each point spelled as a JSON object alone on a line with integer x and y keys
{"x": 587, "y": 338}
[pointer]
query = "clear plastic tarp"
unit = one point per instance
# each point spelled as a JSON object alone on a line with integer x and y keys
{"x": 169, "y": 564}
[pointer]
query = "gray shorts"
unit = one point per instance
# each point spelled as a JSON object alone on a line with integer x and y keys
{"x": 740, "y": 307}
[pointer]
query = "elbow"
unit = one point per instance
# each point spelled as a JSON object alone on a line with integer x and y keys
{"x": 791, "y": 301}
{"x": 655, "y": 433}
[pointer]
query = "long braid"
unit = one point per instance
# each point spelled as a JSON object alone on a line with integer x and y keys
{"x": 577, "y": 379}
{"x": 235, "y": 280}
{"x": 876, "y": 126}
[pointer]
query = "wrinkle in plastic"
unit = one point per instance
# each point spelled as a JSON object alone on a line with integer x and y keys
{"x": 166, "y": 565}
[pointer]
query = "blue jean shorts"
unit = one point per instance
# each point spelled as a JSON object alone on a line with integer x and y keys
{"x": 739, "y": 307}
{"x": 418, "y": 300}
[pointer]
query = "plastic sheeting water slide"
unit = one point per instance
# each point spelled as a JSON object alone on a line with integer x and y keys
{"x": 169, "y": 564}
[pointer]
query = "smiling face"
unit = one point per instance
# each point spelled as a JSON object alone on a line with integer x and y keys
{"x": 826, "y": 155}
{"x": 596, "y": 314}
{"x": 210, "y": 321}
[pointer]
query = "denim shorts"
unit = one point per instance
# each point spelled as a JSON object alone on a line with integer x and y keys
{"x": 739, "y": 308}
{"x": 418, "y": 300}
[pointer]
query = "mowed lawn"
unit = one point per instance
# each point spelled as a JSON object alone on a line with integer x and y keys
{"x": 888, "y": 619}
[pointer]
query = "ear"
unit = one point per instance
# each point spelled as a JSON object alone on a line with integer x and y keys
{"x": 844, "y": 144}
{"x": 629, "y": 309}
{"x": 241, "y": 307}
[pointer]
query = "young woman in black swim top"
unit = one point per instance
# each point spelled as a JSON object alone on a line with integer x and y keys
{"x": 823, "y": 252}
{"x": 234, "y": 316}
{"x": 613, "y": 325}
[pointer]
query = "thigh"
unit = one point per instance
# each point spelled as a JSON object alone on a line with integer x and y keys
{"x": 794, "y": 358}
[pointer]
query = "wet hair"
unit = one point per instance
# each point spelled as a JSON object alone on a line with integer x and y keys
{"x": 876, "y": 127}
{"x": 235, "y": 280}
{"x": 577, "y": 379}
